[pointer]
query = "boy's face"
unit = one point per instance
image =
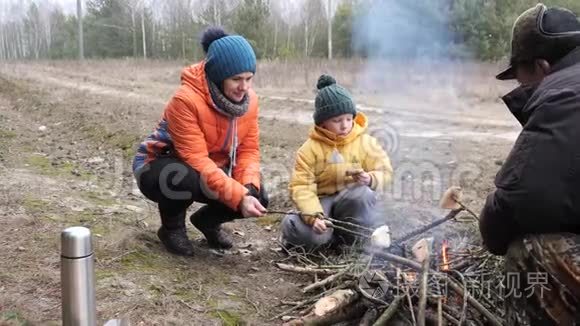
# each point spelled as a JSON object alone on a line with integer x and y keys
{"x": 340, "y": 125}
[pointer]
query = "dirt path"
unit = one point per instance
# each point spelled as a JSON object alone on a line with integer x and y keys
{"x": 75, "y": 170}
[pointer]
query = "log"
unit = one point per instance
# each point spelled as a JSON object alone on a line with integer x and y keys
{"x": 352, "y": 311}
{"x": 335, "y": 301}
{"x": 389, "y": 312}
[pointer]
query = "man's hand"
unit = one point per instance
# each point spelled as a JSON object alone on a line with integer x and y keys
{"x": 319, "y": 226}
{"x": 251, "y": 207}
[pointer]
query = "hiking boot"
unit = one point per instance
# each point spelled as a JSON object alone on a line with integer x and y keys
{"x": 175, "y": 241}
{"x": 216, "y": 236}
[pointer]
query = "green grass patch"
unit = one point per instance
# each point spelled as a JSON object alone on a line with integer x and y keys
{"x": 142, "y": 260}
{"x": 13, "y": 318}
{"x": 44, "y": 166}
{"x": 34, "y": 206}
{"x": 269, "y": 220}
{"x": 7, "y": 134}
{"x": 229, "y": 318}
{"x": 98, "y": 199}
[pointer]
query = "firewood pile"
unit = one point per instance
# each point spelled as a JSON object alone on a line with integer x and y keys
{"x": 407, "y": 282}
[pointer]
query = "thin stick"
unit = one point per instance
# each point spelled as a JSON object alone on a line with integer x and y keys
{"x": 389, "y": 312}
{"x": 253, "y": 304}
{"x": 325, "y": 281}
{"x": 467, "y": 210}
{"x": 439, "y": 312}
{"x": 410, "y": 305}
{"x": 337, "y": 227}
{"x": 427, "y": 227}
{"x": 464, "y": 307}
{"x": 423, "y": 291}
{"x": 354, "y": 225}
{"x": 298, "y": 306}
{"x": 304, "y": 270}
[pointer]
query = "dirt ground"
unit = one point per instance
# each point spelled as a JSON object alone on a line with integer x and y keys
{"x": 68, "y": 132}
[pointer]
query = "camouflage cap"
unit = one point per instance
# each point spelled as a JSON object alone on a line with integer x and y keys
{"x": 541, "y": 32}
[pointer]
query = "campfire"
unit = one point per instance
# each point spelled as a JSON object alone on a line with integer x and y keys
{"x": 444, "y": 256}
{"x": 415, "y": 281}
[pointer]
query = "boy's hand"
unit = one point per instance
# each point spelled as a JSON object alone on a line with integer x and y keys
{"x": 251, "y": 207}
{"x": 362, "y": 178}
{"x": 319, "y": 226}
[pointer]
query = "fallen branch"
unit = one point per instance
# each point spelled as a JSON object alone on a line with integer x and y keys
{"x": 304, "y": 270}
{"x": 325, "y": 281}
{"x": 389, "y": 312}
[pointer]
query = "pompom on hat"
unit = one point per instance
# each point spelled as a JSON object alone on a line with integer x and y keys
{"x": 226, "y": 55}
{"x": 332, "y": 100}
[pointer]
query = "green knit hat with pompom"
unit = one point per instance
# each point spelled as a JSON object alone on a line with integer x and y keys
{"x": 332, "y": 100}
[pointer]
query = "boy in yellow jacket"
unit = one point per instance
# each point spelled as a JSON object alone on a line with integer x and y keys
{"x": 338, "y": 170}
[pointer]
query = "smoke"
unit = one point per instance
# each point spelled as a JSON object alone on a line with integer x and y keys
{"x": 403, "y": 29}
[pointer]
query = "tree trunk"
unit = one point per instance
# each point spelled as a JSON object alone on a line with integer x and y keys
{"x": 329, "y": 29}
{"x": 143, "y": 34}
{"x": 275, "y": 47}
{"x": 306, "y": 37}
{"x": 134, "y": 32}
{"x": 80, "y": 33}
{"x": 182, "y": 45}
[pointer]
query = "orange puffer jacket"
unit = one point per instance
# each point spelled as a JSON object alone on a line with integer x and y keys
{"x": 202, "y": 138}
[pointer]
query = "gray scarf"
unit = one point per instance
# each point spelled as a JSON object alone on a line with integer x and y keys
{"x": 232, "y": 110}
{"x": 226, "y": 107}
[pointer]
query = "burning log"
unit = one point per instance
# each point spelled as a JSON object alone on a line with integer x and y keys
{"x": 444, "y": 256}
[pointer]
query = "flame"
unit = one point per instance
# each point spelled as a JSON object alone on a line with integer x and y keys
{"x": 444, "y": 256}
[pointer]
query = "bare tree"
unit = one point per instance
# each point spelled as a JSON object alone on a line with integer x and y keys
{"x": 80, "y": 33}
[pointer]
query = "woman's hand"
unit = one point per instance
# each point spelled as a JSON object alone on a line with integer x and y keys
{"x": 251, "y": 207}
{"x": 319, "y": 226}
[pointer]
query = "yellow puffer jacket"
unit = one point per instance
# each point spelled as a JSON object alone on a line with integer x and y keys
{"x": 322, "y": 162}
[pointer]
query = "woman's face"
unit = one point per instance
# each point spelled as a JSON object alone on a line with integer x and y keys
{"x": 236, "y": 87}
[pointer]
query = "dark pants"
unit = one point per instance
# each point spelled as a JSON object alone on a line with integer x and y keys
{"x": 174, "y": 186}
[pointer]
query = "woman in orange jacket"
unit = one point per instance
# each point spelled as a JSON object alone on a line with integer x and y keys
{"x": 206, "y": 147}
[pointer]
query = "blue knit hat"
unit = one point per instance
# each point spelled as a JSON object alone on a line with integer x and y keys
{"x": 226, "y": 55}
{"x": 332, "y": 100}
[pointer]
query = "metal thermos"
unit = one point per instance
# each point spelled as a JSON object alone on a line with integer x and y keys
{"x": 77, "y": 275}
